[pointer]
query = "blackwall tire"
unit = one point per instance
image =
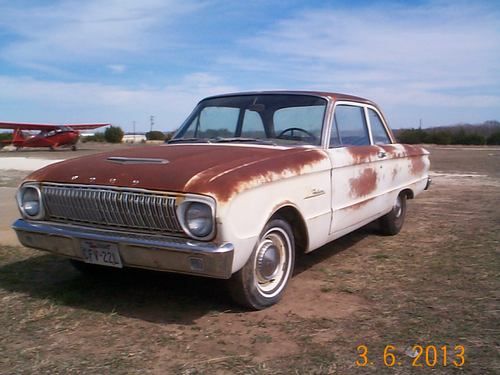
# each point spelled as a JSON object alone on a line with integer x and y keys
{"x": 391, "y": 223}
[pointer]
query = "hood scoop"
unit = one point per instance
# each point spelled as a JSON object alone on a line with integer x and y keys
{"x": 126, "y": 160}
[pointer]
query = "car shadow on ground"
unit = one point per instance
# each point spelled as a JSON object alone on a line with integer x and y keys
{"x": 304, "y": 262}
{"x": 147, "y": 295}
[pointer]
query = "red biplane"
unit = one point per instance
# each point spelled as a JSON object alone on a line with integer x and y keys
{"x": 49, "y": 135}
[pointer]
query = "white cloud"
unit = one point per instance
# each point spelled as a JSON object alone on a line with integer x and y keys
{"x": 88, "y": 30}
{"x": 54, "y": 101}
{"x": 440, "y": 55}
{"x": 117, "y": 68}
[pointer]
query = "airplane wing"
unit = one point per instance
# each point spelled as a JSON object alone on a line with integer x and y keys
{"x": 85, "y": 126}
{"x": 48, "y": 127}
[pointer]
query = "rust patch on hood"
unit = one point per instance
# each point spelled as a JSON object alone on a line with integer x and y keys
{"x": 364, "y": 184}
{"x": 217, "y": 170}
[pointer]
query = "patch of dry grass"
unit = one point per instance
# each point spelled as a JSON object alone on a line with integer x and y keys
{"x": 436, "y": 283}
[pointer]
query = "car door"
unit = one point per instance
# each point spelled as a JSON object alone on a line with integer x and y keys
{"x": 357, "y": 167}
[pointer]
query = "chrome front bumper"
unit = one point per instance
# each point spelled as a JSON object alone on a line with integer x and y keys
{"x": 136, "y": 250}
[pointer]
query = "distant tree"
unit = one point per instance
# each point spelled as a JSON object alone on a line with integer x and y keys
{"x": 214, "y": 133}
{"x": 155, "y": 135}
{"x": 97, "y": 137}
{"x": 113, "y": 134}
{"x": 494, "y": 138}
{"x": 474, "y": 139}
{"x": 168, "y": 136}
{"x": 440, "y": 137}
{"x": 460, "y": 134}
{"x": 464, "y": 138}
{"x": 413, "y": 136}
{"x": 459, "y": 137}
{"x": 5, "y": 136}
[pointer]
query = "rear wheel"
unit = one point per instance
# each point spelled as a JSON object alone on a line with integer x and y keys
{"x": 391, "y": 223}
{"x": 263, "y": 279}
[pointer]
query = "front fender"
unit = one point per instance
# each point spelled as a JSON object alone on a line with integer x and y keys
{"x": 241, "y": 220}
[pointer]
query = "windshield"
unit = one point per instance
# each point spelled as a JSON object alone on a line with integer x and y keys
{"x": 267, "y": 118}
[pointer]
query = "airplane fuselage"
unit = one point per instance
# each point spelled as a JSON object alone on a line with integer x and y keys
{"x": 52, "y": 139}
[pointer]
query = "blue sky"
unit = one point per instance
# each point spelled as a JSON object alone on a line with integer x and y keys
{"x": 122, "y": 61}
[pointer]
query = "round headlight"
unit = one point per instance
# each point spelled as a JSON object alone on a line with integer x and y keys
{"x": 198, "y": 219}
{"x": 30, "y": 201}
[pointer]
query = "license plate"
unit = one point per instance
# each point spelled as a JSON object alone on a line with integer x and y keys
{"x": 103, "y": 253}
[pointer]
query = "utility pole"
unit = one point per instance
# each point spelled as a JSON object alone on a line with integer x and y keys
{"x": 420, "y": 123}
{"x": 133, "y": 126}
{"x": 152, "y": 121}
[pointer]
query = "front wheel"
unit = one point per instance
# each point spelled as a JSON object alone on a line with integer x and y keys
{"x": 263, "y": 279}
{"x": 391, "y": 223}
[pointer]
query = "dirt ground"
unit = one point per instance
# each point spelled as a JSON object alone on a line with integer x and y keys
{"x": 434, "y": 284}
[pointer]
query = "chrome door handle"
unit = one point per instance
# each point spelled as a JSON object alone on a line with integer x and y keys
{"x": 382, "y": 154}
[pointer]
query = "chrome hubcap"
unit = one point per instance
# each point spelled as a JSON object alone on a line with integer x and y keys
{"x": 272, "y": 264}
{"x": 268, "y": 260}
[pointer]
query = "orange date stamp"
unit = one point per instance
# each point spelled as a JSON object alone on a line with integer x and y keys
{"x": 419, "y": 356}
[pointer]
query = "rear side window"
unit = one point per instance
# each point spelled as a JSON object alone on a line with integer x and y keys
{"x": 379, "y": 134}
{"x": 349, "y": 127}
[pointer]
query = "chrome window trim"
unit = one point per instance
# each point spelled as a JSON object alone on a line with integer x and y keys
{"x": 382, "y": 119}
{"x": 367, "y": 121}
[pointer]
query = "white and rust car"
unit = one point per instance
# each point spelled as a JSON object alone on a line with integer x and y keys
{"x": 247, "y": 182}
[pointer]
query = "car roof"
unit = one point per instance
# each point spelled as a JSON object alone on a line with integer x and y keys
{"x": 335, "y": 96}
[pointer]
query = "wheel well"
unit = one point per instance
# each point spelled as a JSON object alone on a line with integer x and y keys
{"x": 408, "y": 192}
{"x": 294, "y": 218}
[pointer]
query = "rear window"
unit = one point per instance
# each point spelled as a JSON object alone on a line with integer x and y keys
{"x": 379, "y": 134}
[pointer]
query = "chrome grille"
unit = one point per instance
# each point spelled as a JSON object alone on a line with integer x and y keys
{"x": 111, "y": 207}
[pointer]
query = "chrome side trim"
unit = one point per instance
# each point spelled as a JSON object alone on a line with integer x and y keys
{"x": 126, "y": 160}
{"x": 155, "y": 252}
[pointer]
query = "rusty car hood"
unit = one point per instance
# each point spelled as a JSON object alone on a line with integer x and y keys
{"x": 217, "y": 170}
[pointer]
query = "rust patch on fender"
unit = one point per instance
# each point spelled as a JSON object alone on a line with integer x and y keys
{"x": 412, "y": 150}
{"x": 416, "y": 155}
{"x": 417, "y": 165}
{"x": 218, "y": 170}
{"x": 363, "y": 154}
{"x": 224, "y": 184}
{"x": 364, "y": 184}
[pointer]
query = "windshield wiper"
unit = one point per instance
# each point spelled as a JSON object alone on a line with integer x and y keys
{"x": 190, "y": 140}
{"x": 242, "y": 139}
